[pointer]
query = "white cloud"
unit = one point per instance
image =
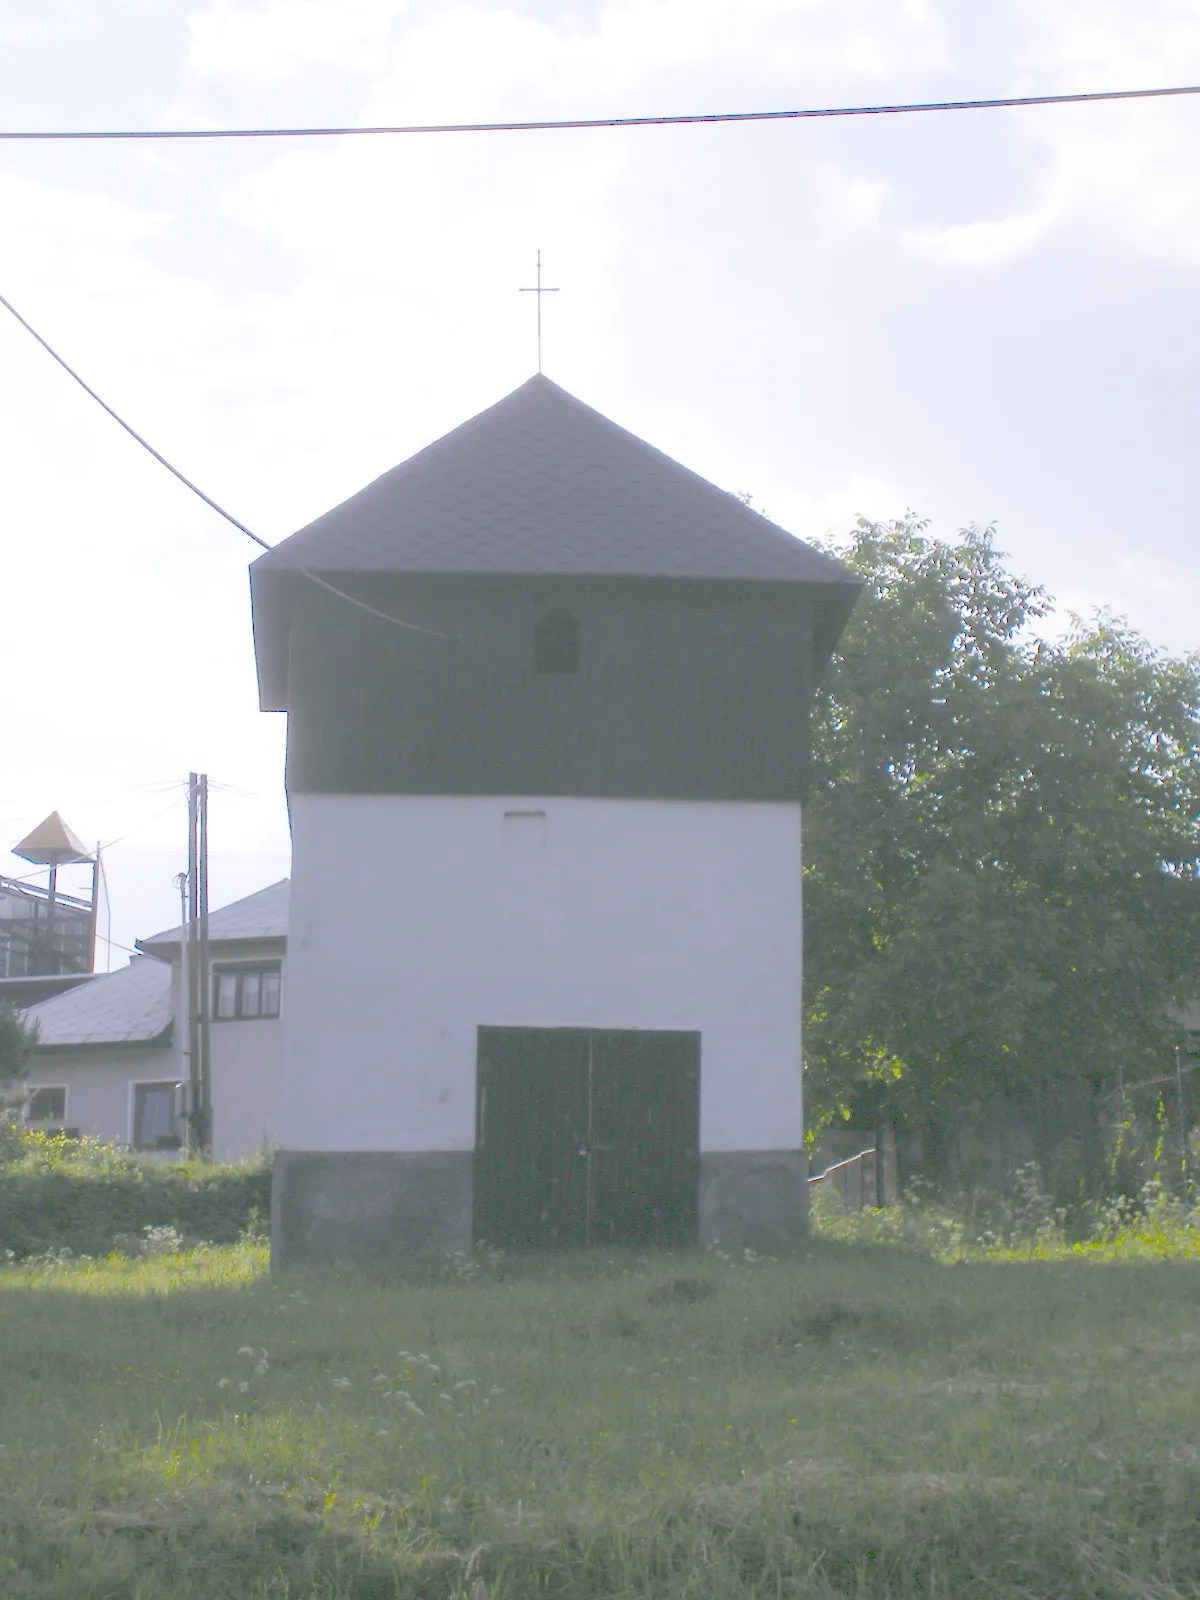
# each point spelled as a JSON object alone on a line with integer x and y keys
{"x": 1120, "y": 170}
{"x": 278, "y": 39}
{"x": 993, "y": 243}
{"x": 273, "y": 40}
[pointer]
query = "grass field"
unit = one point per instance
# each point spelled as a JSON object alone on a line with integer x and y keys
{"x": 854, "y": 1421}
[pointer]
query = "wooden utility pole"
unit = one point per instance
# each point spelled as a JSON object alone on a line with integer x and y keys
{"x": 191, "y": 934}
{"x": 196, "y": 968}
{"x": 94, "y": 918}
{"x": 205, "y": 975}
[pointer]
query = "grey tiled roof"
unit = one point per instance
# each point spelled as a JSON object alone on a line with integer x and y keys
{"x": 262, "y": 915}
{"x": 129, "y": 1006}
{"x": 542, "y": 484}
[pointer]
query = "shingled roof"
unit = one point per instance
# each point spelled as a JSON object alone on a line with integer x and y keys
{"x": 261, "y": 915}
{"x": 129, "y": 1006}
{"x": 542, "y": 484}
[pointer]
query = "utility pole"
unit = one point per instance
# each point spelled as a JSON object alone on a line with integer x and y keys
{"x": 196, "y": 966}
{"x": 191, "y": 939}
{"x": 185, "y": 1000}
{"x": 205, "y": 983}
{"x": 94, "y": 919}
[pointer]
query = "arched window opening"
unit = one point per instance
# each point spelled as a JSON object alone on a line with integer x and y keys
{"x": 556, "y": 641}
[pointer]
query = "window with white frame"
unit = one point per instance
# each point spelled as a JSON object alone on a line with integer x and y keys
{"x": 46, "y": 1103}
{"x": 155, "y": 1125}
{"x": 243, "y": 993}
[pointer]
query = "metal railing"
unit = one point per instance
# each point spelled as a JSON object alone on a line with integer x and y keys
{"x": 856, "y": 1179}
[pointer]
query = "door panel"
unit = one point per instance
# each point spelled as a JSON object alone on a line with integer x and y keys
{"x": 531, "y": 1129}
{"x": 586, "y": 1136}
{"x": 645, "y": 1137}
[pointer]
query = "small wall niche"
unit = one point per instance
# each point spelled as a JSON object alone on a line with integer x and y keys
{"x": 557, "y": 641}
{"x": 524, "y": 832}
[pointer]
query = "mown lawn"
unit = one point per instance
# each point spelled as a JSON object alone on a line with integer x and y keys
{"x": 853, "y": 1421}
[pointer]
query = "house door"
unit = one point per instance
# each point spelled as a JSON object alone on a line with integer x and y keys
{"x": 586, "y": 1137}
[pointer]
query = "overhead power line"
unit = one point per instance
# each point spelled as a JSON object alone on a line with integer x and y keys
{"x": 322, "y": 583}
{"x": 565, "y": 124}
{"x": 129, "y": 429}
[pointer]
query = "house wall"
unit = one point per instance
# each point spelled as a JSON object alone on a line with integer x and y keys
{"x": 98, "y": 1084}
{"x": 415, "y": 919}
{"x": 247, "y": 1069}
{"x": 246, "y": 1059}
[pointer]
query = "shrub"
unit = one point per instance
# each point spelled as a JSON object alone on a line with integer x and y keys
{"x": 90, "y": 1198}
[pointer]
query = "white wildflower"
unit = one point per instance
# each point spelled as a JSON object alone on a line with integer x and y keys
{"x": 413, "y": 1407}
{"x": 224, "y": 1383}
{"x": 246, "y": 1350}
{"x": 341, "y": 1383}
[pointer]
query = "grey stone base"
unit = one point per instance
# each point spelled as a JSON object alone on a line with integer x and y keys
{"x": 330, "y": 1207}
{"x": 753, "y": 1199}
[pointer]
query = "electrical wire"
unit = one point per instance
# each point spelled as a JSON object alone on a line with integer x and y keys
{"x": 111, "y": 844}
{"x": 565, "y": 124}
{"x": 323, "y": 583}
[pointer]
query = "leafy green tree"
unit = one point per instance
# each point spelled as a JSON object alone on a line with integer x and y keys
{"x": 1002, "y": 837}
{"x": 16, "y": 1046}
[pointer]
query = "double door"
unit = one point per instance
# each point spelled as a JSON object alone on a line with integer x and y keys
{"x": 586, "y": 1136}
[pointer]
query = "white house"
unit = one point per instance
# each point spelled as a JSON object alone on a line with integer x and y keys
{"x": 109, "y": 1056}
{"x": 548, "y": 697}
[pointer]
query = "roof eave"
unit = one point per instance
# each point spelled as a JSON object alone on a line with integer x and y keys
{"x": 270, "y": 617}
{"x": 149, "y": 1041}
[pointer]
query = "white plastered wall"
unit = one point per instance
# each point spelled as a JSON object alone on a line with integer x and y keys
{"x": 415, "y": 919}
{"x": 246, "y": 1061}
{"x": 98, "y": 1085}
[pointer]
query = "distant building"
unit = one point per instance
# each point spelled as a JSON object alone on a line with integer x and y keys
{"x": 109, "y": 1058}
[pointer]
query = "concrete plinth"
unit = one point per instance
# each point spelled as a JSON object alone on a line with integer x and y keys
{"x": 753, "y": 1199}
{"x": 330, "y": 1207}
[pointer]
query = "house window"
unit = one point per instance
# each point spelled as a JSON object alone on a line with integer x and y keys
{"x": 556, "y": 641}
{"x": 242, "y": 993}
{"x": 154, "y": 1123}
{"x": 46, "y": 1105}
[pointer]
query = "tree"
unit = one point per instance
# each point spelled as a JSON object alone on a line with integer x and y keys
{"x": 1003, "y": 841}
{"x": 17, "y": 1040}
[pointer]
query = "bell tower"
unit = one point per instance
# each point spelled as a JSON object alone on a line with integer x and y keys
{"x": 548, "y": 700}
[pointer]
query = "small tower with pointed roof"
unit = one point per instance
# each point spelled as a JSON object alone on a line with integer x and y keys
{"x": 548, "y": 699}
{"x": 43, "y": 933}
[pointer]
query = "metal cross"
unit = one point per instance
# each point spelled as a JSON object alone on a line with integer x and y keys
{"x": 539, "y": 291}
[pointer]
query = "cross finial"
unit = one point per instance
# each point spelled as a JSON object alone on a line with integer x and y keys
{"x": 539, "y": 291}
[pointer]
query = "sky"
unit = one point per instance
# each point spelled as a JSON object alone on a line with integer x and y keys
{"x": 984, "y": 317}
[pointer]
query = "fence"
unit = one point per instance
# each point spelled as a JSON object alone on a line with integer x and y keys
{"x": 865, "y": 1179}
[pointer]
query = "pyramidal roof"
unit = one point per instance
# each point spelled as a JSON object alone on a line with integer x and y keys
{"x": 541, "y": 484}
{"x": 52, "y": 844}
